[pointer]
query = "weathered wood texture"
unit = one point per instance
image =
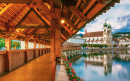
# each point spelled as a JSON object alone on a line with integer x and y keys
{"x": 30, "y": 54}
{"x": 1, "y": 63}
{"x": 36, "y": 70}
{"x": 37, "y": 52}
{"x": 17, "y": 58}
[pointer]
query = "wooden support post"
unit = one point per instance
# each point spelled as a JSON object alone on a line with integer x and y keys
{"x": 26, "y": 52}
{"x": 8, "y": 49}
{"x": 55, "y": 41}
{"x": 34, "y": 48}
{"x": 39, "y": 49}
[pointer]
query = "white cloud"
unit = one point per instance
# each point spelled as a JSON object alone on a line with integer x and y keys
{"x": 118, "y": 10}
{"x": 124, "y": 1}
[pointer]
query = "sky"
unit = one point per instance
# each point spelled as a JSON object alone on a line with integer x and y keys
{"x": 118, "y": 17}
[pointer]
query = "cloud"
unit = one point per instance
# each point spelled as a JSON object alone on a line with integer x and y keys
{"x": 125, "y": 28}
{"x": 107, "y": 18}
{"x": 124, "y": 1}
{"x": 123, "y": 18}
{"x": 117, "y": 16}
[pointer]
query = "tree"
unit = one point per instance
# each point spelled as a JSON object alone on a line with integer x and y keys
{"x": 16, "y": 44}
{"x": 126, "y": 45}
{"x": 121, "y": 45}
{"x": 114, "y": 45}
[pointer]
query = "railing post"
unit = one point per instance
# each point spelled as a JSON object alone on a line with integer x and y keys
{"x": 26, "y": 52}
{"x": 34, "y": 48}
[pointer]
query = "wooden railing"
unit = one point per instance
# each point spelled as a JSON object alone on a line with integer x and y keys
{"x": 2, "y": 61}
{"x": 19, "y": 57}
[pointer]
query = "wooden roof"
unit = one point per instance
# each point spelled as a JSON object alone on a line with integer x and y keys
{"x": 93, "y": 34}
{"x": 29, "y": 19}
{"x": 71, "y": 44}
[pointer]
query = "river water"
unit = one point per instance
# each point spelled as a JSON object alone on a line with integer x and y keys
{"x": 103, "y": 66}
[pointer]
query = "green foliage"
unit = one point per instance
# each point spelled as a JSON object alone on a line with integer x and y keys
{"x": 16, "y": 44}
{"x": 116, "y": 35}
{"x": 97, "y": 45}
{"x": 114, "y": 45}
{"x": 83, "y": 45}
{"x": 126, "y": 45}
{"x": 121, "y": 45}
{"x": 70, "y": 71}
{"x": 2, "y": 42}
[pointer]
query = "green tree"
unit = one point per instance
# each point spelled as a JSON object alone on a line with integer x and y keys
{"x": 16, "y": 44}
{"x": 121, "y": 45}
{"x": 126, "y": 45}
{"x": 114, "y": 45}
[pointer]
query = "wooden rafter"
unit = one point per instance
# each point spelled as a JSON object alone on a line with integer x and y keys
{"x": 15, "y": 1}
{"x": 104, "y": 1}
{"x": 17, "y": 15}
{"x": 74, "y": 10}
{"x": 63, "y": 36}
{"x": 69, "y": 22}
{"x": 66, "y": 28}
{"x": 28, "y": 27}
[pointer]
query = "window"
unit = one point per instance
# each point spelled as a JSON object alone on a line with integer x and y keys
{"x": 104, "y": 30}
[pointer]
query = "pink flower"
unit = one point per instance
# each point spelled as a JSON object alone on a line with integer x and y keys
{"x": 82, "y": 79}
{"x": 68, "y": 77}
{"x": 66, "y": 59}
{"x": 70, "y": 64}
{"x": 73, "y": 79}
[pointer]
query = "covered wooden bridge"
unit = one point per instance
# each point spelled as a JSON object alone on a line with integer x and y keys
{"x": 48, "y": 22}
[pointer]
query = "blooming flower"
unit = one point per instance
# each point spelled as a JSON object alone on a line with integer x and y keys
{"x": 73, "y": 79}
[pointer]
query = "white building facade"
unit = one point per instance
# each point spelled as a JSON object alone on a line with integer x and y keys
{"x": 76, "y": 39}
{"x": 100, "y": 37}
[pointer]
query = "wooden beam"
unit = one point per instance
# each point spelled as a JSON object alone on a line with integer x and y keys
{"x": 44, "y": 18}
{"x": 63, "y": 36}
{"x": 15, "y": 1}
{"x": 41, "y": 18}
{"x": 66, "y": 28}
{"x": 104, "y": 1}
{"x": 89, "y": 6}
{"x": 28, "y": 27}
{"x": 29, "y": 36}
{"x": 46, "y": 34}
{"x": 74, "y": 10}
{"x": 17, "y": 15}
{"x": 69, "y": 22}
{"x": 41, "y": 6}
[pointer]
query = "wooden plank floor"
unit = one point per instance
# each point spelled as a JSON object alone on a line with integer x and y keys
{"x": 36, "y": 70}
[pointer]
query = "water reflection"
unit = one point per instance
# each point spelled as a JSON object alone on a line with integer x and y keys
{"x": 103, "y": 66}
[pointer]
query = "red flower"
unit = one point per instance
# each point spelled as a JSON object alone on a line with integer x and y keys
{"x": 73, "y": 79}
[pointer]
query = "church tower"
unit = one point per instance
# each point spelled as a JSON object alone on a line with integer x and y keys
{"x": 105, "y": 33}
{"x": 109, "y": 36}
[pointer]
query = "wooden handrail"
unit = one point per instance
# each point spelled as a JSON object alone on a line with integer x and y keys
{"x": 2, "y": 52}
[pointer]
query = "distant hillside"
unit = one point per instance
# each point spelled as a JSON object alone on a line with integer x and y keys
{"x": 122, "y": 33}
{"x": 81, "y": 34}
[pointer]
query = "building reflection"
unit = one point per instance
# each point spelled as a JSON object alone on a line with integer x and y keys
{"x": 100, "y": 60}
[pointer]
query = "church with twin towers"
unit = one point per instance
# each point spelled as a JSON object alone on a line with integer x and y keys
{"x": 99, "y": 37}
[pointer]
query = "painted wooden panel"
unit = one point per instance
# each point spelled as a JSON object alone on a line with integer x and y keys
{"x": 1, "y": 64}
